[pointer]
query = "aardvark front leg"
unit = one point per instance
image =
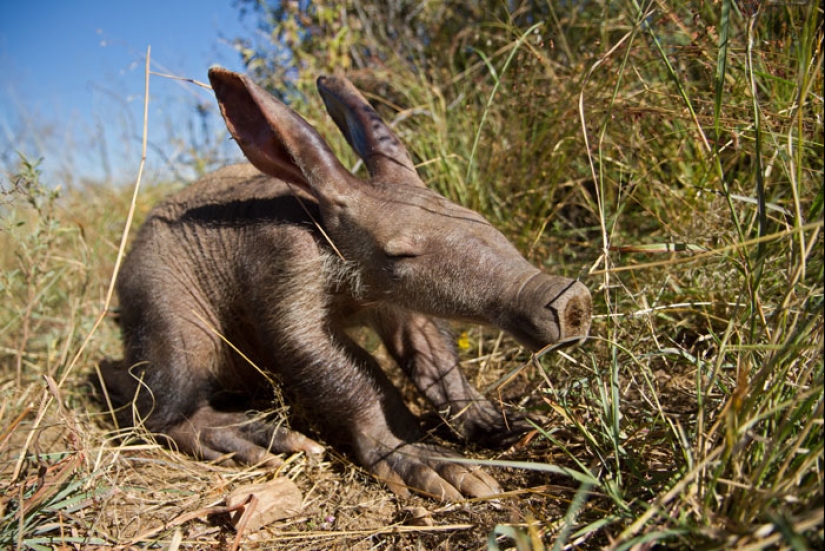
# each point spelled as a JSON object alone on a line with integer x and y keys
{"x": 425, "y": 352}
{"x": 360, "y": 407}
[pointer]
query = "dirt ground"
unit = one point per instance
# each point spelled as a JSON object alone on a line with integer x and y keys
{"x": 133, "y": 492}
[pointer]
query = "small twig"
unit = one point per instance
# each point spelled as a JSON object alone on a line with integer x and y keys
{"x": 391, "y": 529}
{"x": 184, "y": 79}
{"x": 182, "y": 519}
{"x": 248, "y": 507}
{"x": 4, "y": 439}
{"x": 121, "y": 252}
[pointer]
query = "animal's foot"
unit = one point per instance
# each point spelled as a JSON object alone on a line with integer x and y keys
{"x": 232, "y": 436}
{"x": 428, "y": 469}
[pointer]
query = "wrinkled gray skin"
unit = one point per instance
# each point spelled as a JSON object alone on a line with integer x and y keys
{"x": 241, "y": 255}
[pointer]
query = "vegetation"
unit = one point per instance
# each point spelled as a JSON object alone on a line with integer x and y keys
{"x": 668, "y": 154}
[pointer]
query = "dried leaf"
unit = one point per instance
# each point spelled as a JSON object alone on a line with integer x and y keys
{"x": 277, "y": 499}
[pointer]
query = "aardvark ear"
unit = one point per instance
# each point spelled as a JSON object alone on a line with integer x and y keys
{"x": 385, "y": 156}
{"x": 278, "y": 141}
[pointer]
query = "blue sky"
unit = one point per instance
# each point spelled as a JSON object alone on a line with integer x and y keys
{"x": 72, "y": 82}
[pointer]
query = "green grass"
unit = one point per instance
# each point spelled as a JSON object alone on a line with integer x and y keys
{"x": 671, "y": 156}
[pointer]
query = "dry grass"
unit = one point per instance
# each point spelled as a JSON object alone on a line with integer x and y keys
{"x": 693, "y": 417}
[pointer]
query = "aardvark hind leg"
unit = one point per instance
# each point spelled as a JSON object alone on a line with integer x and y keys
{"x": 210, "y": 434}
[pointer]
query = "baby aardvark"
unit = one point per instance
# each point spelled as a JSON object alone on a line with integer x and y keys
{"x": 280, "y": 257}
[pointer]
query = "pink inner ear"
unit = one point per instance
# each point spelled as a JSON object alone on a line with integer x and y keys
{"x": 249, "y": 113}
{"x": 268, "y": 154}
{"x": 282, "y": 164}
